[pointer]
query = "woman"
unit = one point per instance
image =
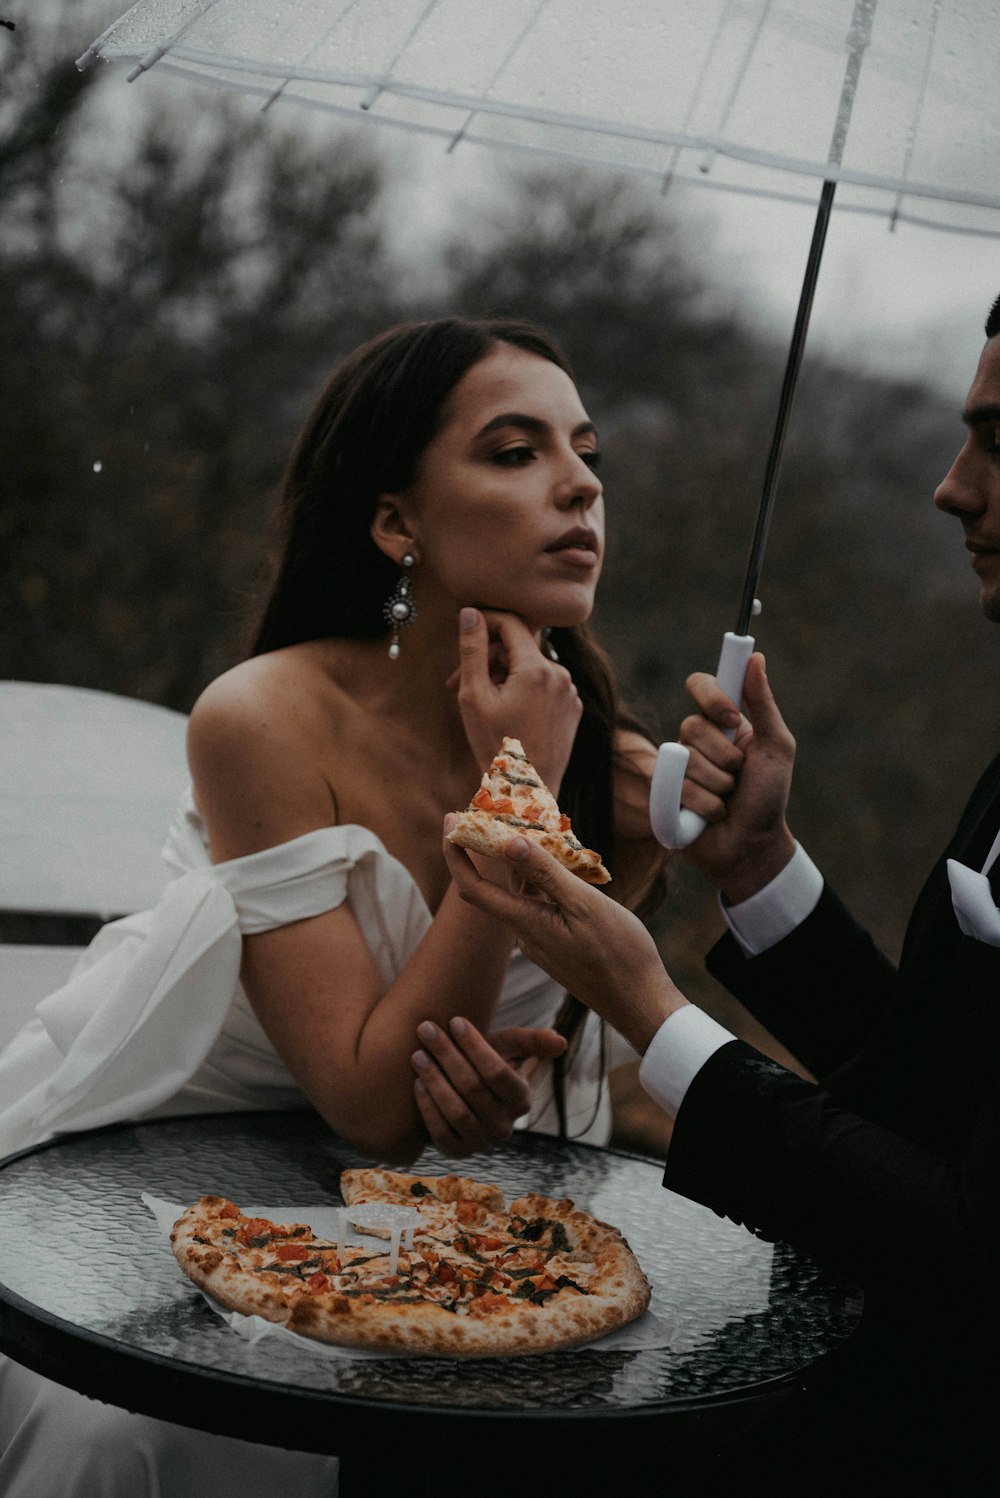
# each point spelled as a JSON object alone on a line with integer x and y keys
{"x": 444, "y": 538}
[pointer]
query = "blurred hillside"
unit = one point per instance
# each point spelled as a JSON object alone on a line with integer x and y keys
{"x": 172, "y": 304}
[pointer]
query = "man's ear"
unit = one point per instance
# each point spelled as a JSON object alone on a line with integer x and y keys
{"x": 391, "y": 528}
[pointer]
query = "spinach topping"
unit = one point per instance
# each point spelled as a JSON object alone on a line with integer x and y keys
{"x": 534, "y": 1231}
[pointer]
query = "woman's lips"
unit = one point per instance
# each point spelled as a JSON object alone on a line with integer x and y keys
{"x": 577, "y": 547}
{"x": 575, "y": 555}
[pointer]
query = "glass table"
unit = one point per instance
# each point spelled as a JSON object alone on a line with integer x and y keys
{"x": 100, "y": 1305}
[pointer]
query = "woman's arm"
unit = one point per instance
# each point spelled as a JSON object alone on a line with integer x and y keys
{"x": 314, "y": 986}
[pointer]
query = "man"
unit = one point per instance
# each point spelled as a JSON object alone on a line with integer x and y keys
{"x": 890, "y": 1166}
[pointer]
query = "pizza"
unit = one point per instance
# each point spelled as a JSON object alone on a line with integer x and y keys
{"x": 512, "y": 798}
{"x": 462, "y": 1275}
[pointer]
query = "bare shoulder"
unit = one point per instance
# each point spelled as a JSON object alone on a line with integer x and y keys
{"x": 254, "y": 750}
{"x": 634, "y": 759}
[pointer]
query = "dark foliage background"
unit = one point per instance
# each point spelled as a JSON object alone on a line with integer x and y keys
{"x": 175, "y": 288}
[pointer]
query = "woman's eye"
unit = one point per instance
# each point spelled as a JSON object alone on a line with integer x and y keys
{"x": 591, "y": 457}
{"x": 514, "y": 457}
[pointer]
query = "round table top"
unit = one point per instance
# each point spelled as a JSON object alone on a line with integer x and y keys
{"x": 100, "y": 1304}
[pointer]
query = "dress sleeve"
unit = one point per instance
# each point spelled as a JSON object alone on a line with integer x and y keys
{"x": 150, "y": 995}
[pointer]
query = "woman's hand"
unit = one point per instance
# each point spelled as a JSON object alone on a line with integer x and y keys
{"x": 506, "y": 686}
{"x": 740, "y": 788}
{"x": 596, "y": 949}
{"x": 471, "y": 1091}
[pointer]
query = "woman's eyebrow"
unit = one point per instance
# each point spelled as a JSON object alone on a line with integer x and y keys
{"x": 531, "y": 424}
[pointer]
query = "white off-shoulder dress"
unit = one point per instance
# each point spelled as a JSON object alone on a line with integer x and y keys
{"x": 154, "y": 1023}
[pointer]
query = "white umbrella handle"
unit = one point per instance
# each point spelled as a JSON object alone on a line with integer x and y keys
{"x": 676, "y": 826}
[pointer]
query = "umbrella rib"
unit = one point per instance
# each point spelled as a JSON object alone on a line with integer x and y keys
{"x": 320, "y": 41}
{"x": 911, "y": 140}
{"x": 738, "y": 81}
{"x": 380, "y": 84}
{"x": 515, "y": 47}
{"x": 720, "y": 27}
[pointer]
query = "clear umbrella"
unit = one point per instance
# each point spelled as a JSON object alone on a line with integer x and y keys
{"x": 891, "y": 105}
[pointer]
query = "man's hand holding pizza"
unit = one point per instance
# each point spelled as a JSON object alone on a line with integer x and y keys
{"x": 599, "y": 951}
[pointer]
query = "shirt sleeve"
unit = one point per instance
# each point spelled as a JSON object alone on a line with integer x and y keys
{"x": 775, "y": 911}
{"x": 677, "y": 1052}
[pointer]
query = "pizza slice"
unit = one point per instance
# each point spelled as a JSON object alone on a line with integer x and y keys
{"x": 514, "y": 799}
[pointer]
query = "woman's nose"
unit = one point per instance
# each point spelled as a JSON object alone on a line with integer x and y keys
{"x": 581, "y": 486}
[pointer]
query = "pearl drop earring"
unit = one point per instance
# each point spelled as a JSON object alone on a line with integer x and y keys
{"x": 399, "y": 609}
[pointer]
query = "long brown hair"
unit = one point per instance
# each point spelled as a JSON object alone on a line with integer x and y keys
{"x": 365, "y": 437}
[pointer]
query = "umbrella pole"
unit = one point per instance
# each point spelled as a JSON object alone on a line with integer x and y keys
{"x": 674, "y": 825}
{"x": 785, "y": 408}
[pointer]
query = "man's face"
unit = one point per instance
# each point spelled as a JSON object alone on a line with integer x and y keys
{"x": 971, "y": 488}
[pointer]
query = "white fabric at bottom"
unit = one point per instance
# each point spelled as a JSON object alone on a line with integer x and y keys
{"x": 57, "y": 1444}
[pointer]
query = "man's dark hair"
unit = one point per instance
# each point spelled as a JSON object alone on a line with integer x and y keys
{"x": 993, "y": 321}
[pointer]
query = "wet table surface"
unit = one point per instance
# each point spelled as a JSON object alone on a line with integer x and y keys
{"x": 99, "y": 1304}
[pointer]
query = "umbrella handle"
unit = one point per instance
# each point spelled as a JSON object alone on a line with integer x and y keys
{"x": 674, "y": 825}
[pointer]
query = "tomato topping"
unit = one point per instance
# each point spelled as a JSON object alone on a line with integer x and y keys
{"x": 229, "y": 1210}
{"x": 490, "y": 1301}
{"x": 255, "y": 1227}
{"x": 318, "y": 1281}
{"x": 543, "y": 1281}
{"x": 290, "y": 1252}
{"x": 467, "y": 1210}
{"x": 444, "y": 1273}
{"x": 499, "y": 805}
{"x": 564, "y": 824}
{"x": 532, "y": 812}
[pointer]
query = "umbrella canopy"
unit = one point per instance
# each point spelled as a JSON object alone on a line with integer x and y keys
{"x": 895, "y": 100}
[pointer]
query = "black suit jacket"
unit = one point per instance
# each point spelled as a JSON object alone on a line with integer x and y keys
{"x": 890, "y": 1168}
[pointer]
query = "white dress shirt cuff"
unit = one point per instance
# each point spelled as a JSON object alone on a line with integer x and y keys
{"x": 775, "y": 911}
{"x": 678, "y": 1051}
